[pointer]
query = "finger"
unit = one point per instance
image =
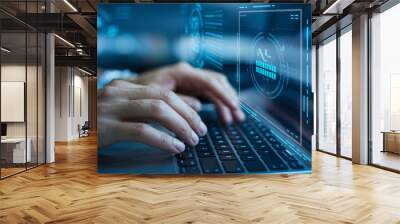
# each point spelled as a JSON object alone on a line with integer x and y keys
{"x": 223, "y": 111}
{"x": 122, "y": 83}
{"x": 238, "y": 112}
{"x": 142, "y": 92}
{"x": 115, "y": 84}
{"x": 224, "y": 82}
{"x": 193, "y": 102}
{"x": 148, "y": 135}
{"x": 204, "y": 80}
{"x": 239, "y": 115}
{"x": 153, "y": 110}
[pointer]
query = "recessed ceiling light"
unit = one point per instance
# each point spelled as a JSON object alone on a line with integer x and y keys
{"x": 84, "y": 71}
{"x": 64, "y": 40}
{"x": 5, "y": 50}
{"x": 70, "y": 5}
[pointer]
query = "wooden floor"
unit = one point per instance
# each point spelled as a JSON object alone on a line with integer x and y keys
{"x": 387, "y": 159}
{"x": 70, "y": 191}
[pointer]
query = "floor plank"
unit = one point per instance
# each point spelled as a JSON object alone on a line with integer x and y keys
{"x": 70, "y": 191}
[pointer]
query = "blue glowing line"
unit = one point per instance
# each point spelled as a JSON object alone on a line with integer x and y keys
{"x": 261, "y": 6}
{"x": 307, "y": 75}
{"x": 214, "y": 61}
{"x": 307, "y": 108}
{"x": 213, "y": 15}
{"x": 266, "y": 69}
{"x": 214, "y": 23}
{"x": 249, "y": 111}
{"x": 218, "y": 36}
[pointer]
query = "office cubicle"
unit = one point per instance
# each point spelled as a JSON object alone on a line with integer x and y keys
{"x": 22, "y": 77}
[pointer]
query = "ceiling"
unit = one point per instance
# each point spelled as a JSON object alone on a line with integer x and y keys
{"x": 75, "y": 22}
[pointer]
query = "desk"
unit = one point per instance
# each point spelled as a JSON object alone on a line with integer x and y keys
{"x": 15, "y": 148}
{"x": 391, "y": 141}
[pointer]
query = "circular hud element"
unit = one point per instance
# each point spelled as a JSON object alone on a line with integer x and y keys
{"x": 195, "y": 31}
{"x": 268, "y": 68}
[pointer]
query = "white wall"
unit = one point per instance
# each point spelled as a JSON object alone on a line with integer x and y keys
{"x": 16, "y": 73}
{"x": 71, "y": 102}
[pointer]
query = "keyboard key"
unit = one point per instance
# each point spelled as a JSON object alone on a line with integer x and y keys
{"x": 245, "y": 152}
{"x": 203, "y": 143}
{"x": 221, "y": 147}
{"x": 272, "y": 160}
{"x": 272, "y": 139}
{"x": 224, "y": 152}
{"x": 187, "y": 162}
{"x": 203, "y": 149}
{"x": 203, "y": 154}
{"x": 258, "y": 142}
{"x": 248, "y": 157}
{"x": 277, "y": 167}
{"x": 242, "y": 147}
{"x": 227, "y": 157}
{"x": 217, "y": 137}
{"x": 235, "y": 137}
{"x": 220, "y": 142}
{"x": 254, "y": 166}
{"x": 235, "y": 142}
{"x": 190, "y": 170}
{"x": 261, "y": 146}
{"x": 186, "y": 155}
{"x": 295, "y": 165}
{"x": 210, "y": 165}
{"x": 232, "y": 166}
{"x": 285, "y": 155}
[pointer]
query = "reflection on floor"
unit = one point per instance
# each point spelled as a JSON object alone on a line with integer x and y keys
{"x": 386, "y": 159}
{"x": 8, "y": 170}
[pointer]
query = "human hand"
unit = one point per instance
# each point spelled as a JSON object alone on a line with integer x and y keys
{"x": 191, "y": 83}
{"x": 126, "y": 109}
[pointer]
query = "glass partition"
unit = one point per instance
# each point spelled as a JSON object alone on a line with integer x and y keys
{"x": 13, "y": 109}
{"x": 327, "y": 95}
{"x": 346, "y": 93}
{"x": 31, "y": 97}
{"x": 385, "y": 89}
{"x": 22, "y": 88}
{"x": 41, "y": 97}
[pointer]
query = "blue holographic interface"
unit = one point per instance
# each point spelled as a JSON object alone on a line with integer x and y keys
{"x": 263, "y": 49}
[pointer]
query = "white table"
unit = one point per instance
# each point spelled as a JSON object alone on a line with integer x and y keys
{"x": 19, "y": 153}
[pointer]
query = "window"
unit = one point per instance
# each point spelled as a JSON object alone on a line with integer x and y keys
{"x": 385, "y": 89}
{"x": 346, "y": 93}
{"x": 327, "y": 96}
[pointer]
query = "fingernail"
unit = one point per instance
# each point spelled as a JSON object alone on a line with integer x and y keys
{"x": 236, "y": 103}
{"x": 203, "y": 129}
{"x": 179, "y": 145}
{"x": 195, "y": 138}
{"x": 240, "y": 115}
{"x": 228, "y": 118}
{"x": 197, "y": 106}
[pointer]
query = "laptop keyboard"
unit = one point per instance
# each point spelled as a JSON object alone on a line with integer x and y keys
{"x": 248, "y": 147}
